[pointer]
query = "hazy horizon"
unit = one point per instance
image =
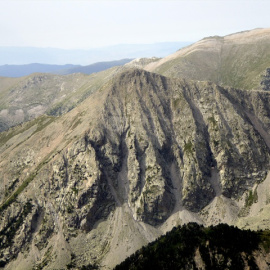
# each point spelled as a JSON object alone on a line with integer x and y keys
{"x": 102, "y": 47}
{"x": 83, "y": 32}
{"x": 56, "y": 56}
{"x": 91, "y": 24}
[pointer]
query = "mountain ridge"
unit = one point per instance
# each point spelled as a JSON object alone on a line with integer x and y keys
{"x": 140, "y": 155}
{"x": 238, "y": 60}
{"x": 25, "y": 70}
{"x": 129, "y": 154}
{"x": 25, "y": 98}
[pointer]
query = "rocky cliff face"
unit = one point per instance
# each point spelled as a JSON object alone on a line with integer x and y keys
{"x": 265, "y": 83}
{"x": 140, "y": 155}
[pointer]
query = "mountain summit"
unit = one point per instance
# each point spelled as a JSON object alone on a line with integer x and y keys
{"x": 140, "y": 155}
{"x": 135, "y": 157}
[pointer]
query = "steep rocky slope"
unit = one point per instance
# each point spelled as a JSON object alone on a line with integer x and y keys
{"x": 140, "y": 155}
{"x": 239, "y": 60}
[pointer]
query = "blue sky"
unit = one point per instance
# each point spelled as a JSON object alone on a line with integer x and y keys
{"x": 88, "y": 24}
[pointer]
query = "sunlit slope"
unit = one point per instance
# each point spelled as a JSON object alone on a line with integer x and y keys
{"x": 25, "y": 98}
{"x": 239, "y": 60}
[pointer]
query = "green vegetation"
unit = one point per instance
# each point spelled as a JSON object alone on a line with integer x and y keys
{"x": 72, "y": 263}
{"x": 41, "y": 123}
{"x": 75, "y": 190}
{"x": 12, "y": 227}
{"x": 220, "y": 247}
{"x": 11, "y": 187}
{"x": 8, "y": 233}
{"x": 61, "y": 107}
{"x": 265, "y": 239}
{"x": 46, "y": 260}
{"x": 176, "y": 103}
{"x": 188, "y": 147}
{"x": 139, "y": 211}
{"x": 89, "y": 267}
{"x": 251, "y": 198}
{"x": 26, "y": 182}
{"x": 216, "y": 143}
{"x": 14, "y": 196}
{"x": 70, "y": 208}
{"x": 79, "y": 121}
{"x": 212, "y": 120}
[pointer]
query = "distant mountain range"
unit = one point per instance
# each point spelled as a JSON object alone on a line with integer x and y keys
{"x": 24, "y": 70}
{"x": 26, "y": 55}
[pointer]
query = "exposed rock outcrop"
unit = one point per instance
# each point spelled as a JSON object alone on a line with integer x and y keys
{"x": 265, "y": 83}
{"x": 106, "y": 178}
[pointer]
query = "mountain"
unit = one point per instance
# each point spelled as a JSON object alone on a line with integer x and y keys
{"x": 240, "y": 60}
{"x": 26, "y": 55}
{"x": 28, "y": 97}
{"x": 140, "y": 155}
{"x": 96, "y": 67}
{"x": 193, "y": 247}
{"x": 25, "y": 70}
{"x": 97, "y": 166}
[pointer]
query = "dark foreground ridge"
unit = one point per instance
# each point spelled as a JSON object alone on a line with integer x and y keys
{"x": 193, "y": 246}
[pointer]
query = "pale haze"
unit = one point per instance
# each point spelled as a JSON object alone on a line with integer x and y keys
{"x": 91, "y": 24}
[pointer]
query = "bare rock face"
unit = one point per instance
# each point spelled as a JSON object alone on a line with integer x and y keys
{"x": 265, "y": 83}
{"x": 114, "y": 170}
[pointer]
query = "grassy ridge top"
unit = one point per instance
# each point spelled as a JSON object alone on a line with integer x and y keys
{"x": 238, "y": 60}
